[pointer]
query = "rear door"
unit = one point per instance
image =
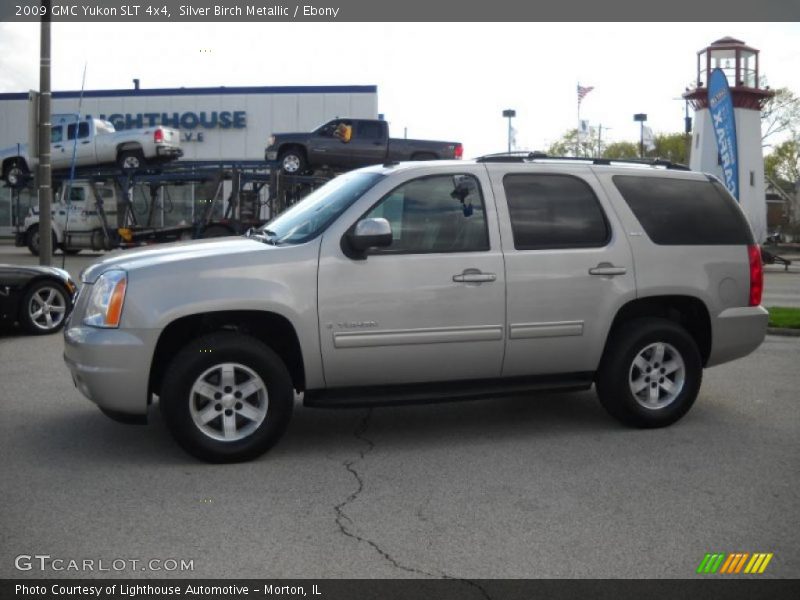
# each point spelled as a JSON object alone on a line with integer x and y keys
{"x": 369, "y": 142}
{"x": 79, "y": 142}
{"x": 568, "y": 267}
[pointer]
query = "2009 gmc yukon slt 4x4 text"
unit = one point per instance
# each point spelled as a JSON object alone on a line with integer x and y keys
{"x": 425, "y": 281}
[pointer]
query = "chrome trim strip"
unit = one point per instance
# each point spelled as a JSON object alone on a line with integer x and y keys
{"x": 404, "y": 337}
{"x": 524, "y": 331}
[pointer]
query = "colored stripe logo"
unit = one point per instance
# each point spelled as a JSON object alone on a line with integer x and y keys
{"x": 734, "y": 563}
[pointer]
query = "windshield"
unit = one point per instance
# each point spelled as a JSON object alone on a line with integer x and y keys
{"x": 312, "y": 215}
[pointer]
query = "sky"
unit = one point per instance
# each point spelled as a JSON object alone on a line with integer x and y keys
{"x": 448, "y": 81}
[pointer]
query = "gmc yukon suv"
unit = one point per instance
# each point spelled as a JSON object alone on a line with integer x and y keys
{"x": 425, "y": 281}
{"x": 93, "y": 142}
{"x": 344, "y": 144}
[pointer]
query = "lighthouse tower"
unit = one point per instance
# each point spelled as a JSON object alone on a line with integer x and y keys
{"x": 739, "y": 64}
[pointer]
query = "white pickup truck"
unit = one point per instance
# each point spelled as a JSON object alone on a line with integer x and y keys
{"x": 93, "y": 142}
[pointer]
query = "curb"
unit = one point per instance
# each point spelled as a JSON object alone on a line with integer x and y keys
{"x": 785, "y": 331}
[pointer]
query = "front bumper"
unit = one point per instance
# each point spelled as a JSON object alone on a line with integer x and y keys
{"x": 736, "y": 332}
{"x": 111, "y": 366}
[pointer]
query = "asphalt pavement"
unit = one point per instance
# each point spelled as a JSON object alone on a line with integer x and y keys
{"x": 540, "y": 486}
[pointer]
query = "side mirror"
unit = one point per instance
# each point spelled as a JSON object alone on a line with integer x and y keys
{"x": 370, "y": 233}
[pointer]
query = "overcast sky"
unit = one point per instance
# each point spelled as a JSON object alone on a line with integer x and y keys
{"x": 448, "y": 81}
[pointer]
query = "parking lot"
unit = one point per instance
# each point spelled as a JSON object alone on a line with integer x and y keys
{"x": 544, "y": 486}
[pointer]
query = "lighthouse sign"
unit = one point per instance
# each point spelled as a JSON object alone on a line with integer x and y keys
{"x": 720, "y": 105}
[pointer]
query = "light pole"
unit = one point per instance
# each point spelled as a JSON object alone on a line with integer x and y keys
{"x": 509, "y": 113}
{"x": 45, "y": 191}
{"x": 641, "y": 118}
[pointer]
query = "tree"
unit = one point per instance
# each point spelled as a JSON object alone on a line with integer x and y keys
{"x": 783, "y": 163}
{"x": 672, "y": 147}
{"x": 565, "y": 146}
{"x": 621, "y": 150}
{"x": 780, "y": 114}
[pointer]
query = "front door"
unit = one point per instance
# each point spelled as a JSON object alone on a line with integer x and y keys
{"x": 430, "y": 307}
{"x": 327, "y": 147}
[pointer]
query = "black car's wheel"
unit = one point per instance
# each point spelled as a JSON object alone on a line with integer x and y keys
{"x": 16, "y": 174}
{"x": 293, "y": 162}
{"x": 44, "y": 307}
{"x": 32, "y": 240}
{"x": 227, "y": 397}
{"x": 650, "y": 374}
{"x": 130, "y": 160}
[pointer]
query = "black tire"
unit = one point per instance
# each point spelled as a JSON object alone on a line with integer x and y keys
{"x": 204, "y": 355}
{"x": 215, "y": 231}
{"x": 424, "y": 156}
{"x": 31, "y": 301}
{"x": 16, "y": 174}
{"x": 293, "y": 161}
{"x": 131, "y": 160}
{"x": 618, "y": 376}
{"x": 32, "y": 240}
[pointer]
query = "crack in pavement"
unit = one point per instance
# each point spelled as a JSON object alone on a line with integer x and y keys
{"x": 342, "y": 519}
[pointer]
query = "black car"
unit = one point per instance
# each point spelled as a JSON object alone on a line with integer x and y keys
{"x": 38, "y": 298}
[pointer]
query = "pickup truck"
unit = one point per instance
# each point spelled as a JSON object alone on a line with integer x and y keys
{"x": 416, "y": 282}
{"x": 93, "y": 142}
{"x": 344, "y": 144}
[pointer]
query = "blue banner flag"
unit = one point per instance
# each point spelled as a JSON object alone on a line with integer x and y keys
{"x": 720, "y": 104}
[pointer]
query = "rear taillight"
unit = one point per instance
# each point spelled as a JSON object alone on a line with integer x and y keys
{"x": 756, "y": 274}
{"x": 158, "y": 135}
{"x": 458, "y": 151}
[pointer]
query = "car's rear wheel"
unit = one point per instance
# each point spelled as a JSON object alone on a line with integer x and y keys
{"x": 650, "y": 374}
{"x": 227, "y": 397}
{"x": 44, "y": 308}
{"x": 130, "y": 160}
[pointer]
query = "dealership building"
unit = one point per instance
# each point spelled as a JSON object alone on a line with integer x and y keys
{"x": 216, "y": 124}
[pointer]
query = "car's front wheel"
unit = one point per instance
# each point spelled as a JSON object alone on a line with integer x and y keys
{"x": 227, "y": 397}
{"x": 650, "y": 374}
{"x": 44, "y": 308}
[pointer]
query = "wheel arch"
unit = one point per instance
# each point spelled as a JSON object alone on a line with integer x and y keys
{"x": 271, "y": 328}
{"x": 688, "y": 311}
{"x": 129, "y": 147}
{"x": 283, "y": 148}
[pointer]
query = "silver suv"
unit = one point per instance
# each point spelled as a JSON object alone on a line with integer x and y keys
{"x": 423, "y": 281}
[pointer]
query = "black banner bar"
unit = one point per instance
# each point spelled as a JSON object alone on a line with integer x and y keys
{"x": 182, "y": 11}
{"x": 707, "y": 588}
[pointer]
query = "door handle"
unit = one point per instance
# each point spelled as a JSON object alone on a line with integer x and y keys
{"x": 86, "y": 142}
{"x": 474, "y": 276}
{"x": 606, "y": 268}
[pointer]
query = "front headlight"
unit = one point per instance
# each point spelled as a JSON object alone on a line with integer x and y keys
{"x": 271, "y": 141}
{"x": 104, "y": 308}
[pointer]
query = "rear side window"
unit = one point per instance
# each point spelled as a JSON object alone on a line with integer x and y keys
{"x": 683, "y": 212}
{"x": 554, "y": 211}
{"x": 369, "y": 130}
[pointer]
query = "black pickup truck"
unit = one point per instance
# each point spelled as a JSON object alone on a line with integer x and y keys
{"x": 349, "y": 144}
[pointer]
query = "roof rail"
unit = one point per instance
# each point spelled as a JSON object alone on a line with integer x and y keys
{"x": 521, "y": 157}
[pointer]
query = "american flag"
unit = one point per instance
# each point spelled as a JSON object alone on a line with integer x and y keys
{"x": 582, "y": 91}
